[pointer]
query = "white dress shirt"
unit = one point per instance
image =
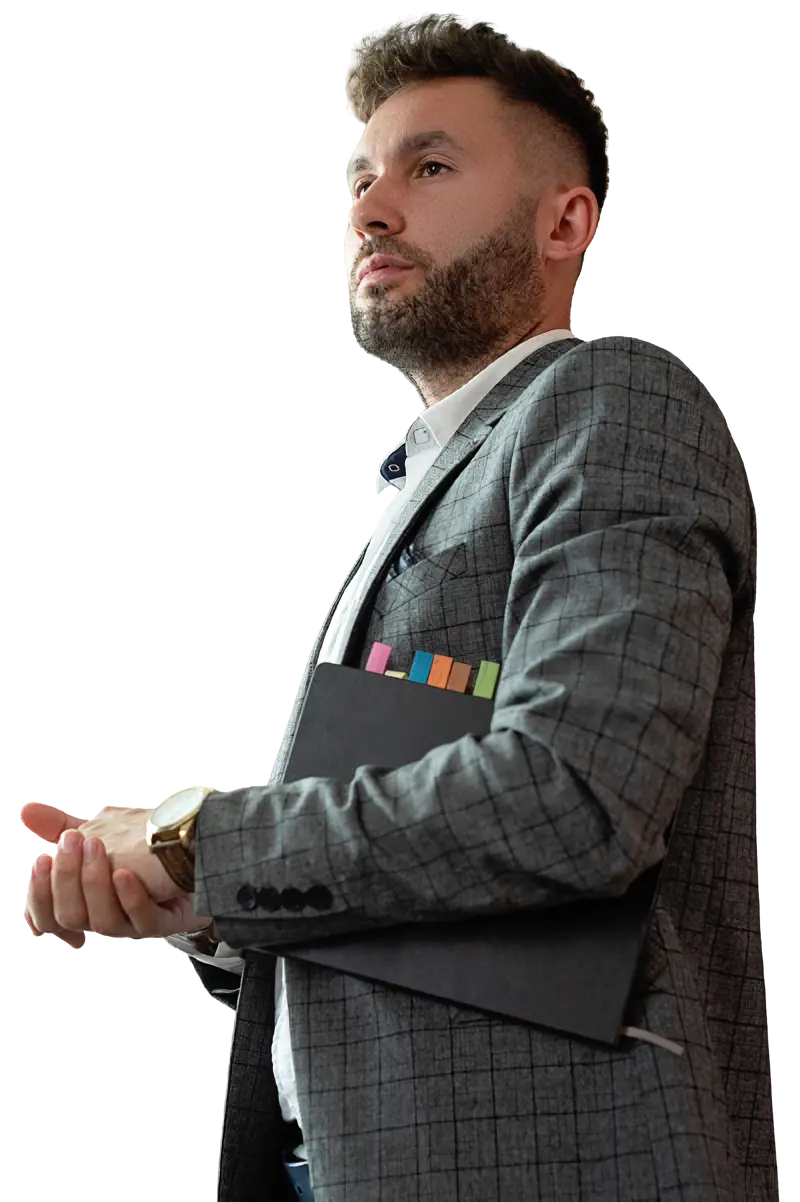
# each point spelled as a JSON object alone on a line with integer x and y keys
{"x": 426, "y": 438}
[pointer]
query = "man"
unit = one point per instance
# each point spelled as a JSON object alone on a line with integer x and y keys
{"x": 578, "y": 512}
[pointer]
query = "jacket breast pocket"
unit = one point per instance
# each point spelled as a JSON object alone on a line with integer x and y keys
{"x": 407, "y": 583}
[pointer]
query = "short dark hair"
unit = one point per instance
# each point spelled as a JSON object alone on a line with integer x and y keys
{"x": 554, "y": 117}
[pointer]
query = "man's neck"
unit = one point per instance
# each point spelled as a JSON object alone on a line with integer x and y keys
{"x": 436, "y": 386}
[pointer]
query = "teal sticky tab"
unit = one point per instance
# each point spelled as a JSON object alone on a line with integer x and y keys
{"x": 487, "y": 680}
{"x": 421, "y": 667}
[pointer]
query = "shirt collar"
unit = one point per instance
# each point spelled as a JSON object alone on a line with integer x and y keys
{"x": 443, "y": 418}
{"x": 434, "y": 428}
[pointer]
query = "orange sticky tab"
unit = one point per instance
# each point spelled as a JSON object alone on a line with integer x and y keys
{"x": 459, "y": 675}
{"x": 378, "y": 658}
{"x": 440, "y": 670}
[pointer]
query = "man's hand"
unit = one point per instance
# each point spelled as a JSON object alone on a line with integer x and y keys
{"x": 72, "y": 898}
{"x": 122, "y": 831}
{"x": 71, "y": 894}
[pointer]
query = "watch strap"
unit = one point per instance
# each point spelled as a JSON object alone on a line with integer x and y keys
{"x": 178, "y": 854}
{"x": 178, "y": 863}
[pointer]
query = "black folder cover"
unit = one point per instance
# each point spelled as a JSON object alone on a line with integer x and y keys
{"x": 568, "y": 967}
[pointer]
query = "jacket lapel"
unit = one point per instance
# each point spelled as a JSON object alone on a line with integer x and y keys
{"x": 460, "y": 449}
{"x": 465, "y": 443}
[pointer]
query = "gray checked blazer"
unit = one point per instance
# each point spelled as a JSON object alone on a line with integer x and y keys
{"x": 590, "y": 527}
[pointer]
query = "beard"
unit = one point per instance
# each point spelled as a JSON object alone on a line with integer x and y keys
{"x": 456, "y": 318}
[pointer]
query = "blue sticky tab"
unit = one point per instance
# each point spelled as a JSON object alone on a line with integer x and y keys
{"x": 421, "y": 667}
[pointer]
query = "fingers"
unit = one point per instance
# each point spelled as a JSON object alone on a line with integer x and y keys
{"x": 105, "y": 914}
{"x": 39, "y": 906}
{"x": 47, "y": 822}
{"x": 70, "y": 894}
{"x": 69, "y": 906}
{"x": 40, "y": 900}
{"x": 28, "y": 918}
{"x": 145, "y": 916}
{"x": 84, "y": 897}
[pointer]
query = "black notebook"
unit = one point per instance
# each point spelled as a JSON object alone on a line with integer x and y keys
{"x": 569, "y": 967}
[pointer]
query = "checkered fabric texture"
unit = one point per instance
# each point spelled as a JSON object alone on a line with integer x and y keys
{"x": 591, "y": 528}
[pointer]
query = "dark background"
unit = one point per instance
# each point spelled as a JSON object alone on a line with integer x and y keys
{"x": 191, "y": 433}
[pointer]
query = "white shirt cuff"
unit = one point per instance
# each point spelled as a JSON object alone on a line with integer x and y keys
{"x": 226, "y": 957}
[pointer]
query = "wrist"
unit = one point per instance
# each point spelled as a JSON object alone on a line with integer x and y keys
{"x": 171, "y": 833}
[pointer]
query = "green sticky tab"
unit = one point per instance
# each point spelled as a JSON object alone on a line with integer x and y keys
{"x": 487, "y": 680}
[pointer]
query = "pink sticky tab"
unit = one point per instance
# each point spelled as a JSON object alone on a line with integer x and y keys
{"x": 378, "y": 658}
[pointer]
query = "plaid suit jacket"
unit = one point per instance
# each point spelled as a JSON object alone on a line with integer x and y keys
{"x": 590, "y": 526}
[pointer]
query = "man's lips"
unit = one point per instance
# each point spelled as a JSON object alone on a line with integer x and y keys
{"x": 379, "y": 260}
{"x": 382, "y": 275}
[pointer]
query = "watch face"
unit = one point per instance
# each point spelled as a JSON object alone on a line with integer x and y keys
{"x": 178, "y": 807}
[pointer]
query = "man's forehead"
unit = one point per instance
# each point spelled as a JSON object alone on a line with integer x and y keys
{"x": 456, "y": 113}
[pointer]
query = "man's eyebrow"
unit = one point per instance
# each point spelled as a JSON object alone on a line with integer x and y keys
{"x": 414, "y": 142}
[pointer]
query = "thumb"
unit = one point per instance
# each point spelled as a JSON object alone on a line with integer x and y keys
{"x": 47, "y": 822}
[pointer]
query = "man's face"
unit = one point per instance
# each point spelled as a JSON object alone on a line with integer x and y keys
{"x": 475, "y": 287}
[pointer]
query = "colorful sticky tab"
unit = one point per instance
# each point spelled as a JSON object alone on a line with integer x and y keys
{"x": 399, "y": 675}
{"x": 378, "y": 658}
{"x": 440, "y": 670}
{"x": 458, "y": 678}
{"x": 421, "y": 667}
{"x": 487, "y": 679}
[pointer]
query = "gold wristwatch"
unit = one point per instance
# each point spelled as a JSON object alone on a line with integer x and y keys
{"x": 170, "y": 833}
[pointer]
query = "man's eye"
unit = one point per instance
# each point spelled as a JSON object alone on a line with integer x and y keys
{"x": 429, "y": 163}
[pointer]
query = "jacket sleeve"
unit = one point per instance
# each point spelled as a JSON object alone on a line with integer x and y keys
{"x": 630, "y": 525}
